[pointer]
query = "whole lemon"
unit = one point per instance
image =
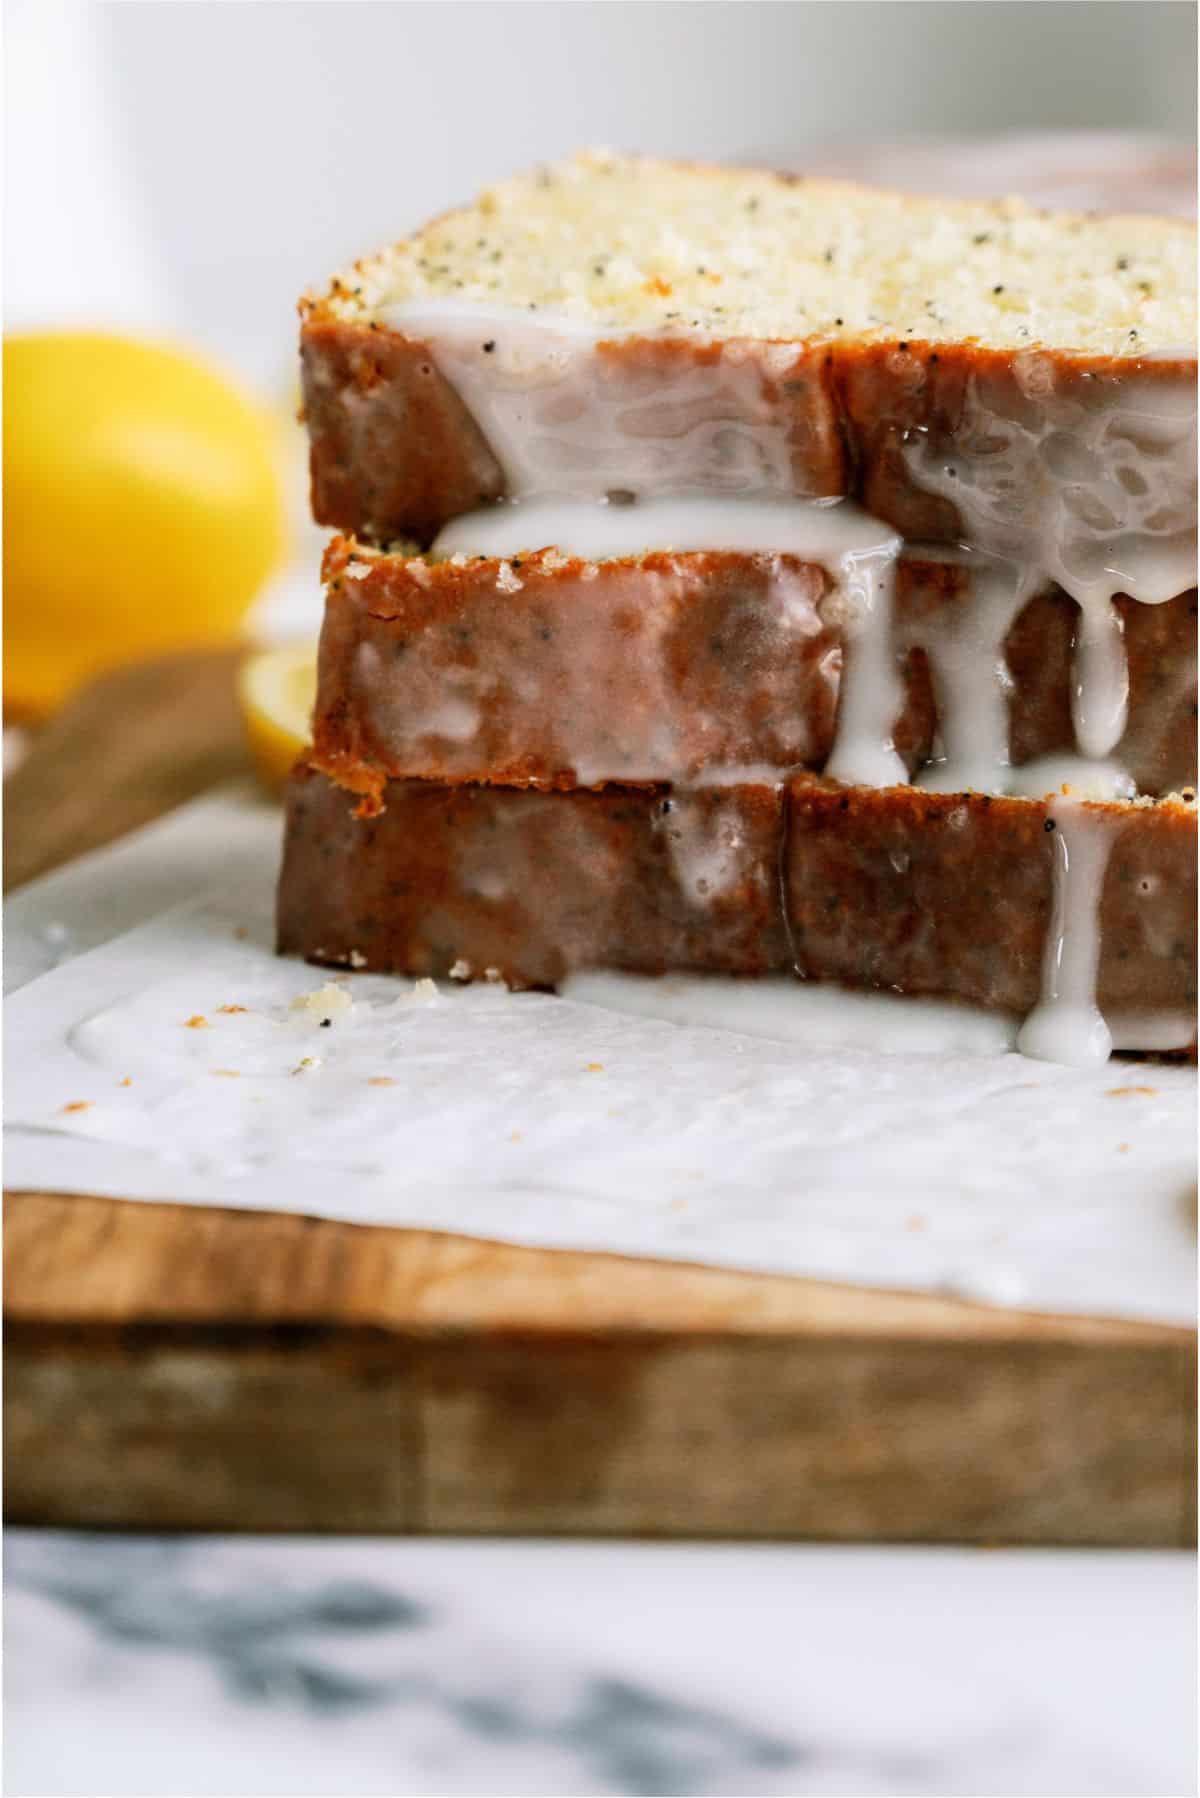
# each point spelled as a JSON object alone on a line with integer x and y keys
{"x": 142, "y": 508}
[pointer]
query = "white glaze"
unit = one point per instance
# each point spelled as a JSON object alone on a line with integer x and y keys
{"x": 1092, "y": 487}
{"x": 828, "y": 532}
{"x": 1152, "y": 1032}
{"x": 815, "y": 1013}
{"x": 1097, "y": 495}
{"x": 709, "y": 855}
{"x": 1066, "y": 1026}
{"x": 1049, "y": 774}
{"x": 422, "y": 709}
{"x": 1100, "y": 498}
{"x": 839, "y": 536}
{"x": 971, "y": 681}
{"x": 871, "y": 693}
{"x": 562, "y": 418}
{"x": 1100, "y": 679}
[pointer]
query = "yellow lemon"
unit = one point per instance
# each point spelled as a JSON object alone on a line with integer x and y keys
{"x": 276, "y": 689}
{"x": 142, "y": 508}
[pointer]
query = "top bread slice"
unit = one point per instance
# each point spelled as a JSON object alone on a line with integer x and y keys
{"x": 831, "y": 327}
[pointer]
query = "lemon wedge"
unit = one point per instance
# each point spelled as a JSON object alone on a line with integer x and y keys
{"x": 276, "y": 689}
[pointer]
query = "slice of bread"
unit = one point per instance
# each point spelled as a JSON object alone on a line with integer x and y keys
{"x": 918, "y": 893}
{"x": 620, "y": 242}
{"x": 733, "y": 327}
{"x": 543, "y": 669}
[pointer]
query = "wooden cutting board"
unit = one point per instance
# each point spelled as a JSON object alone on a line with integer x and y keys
{"x": 175, "y": 1367}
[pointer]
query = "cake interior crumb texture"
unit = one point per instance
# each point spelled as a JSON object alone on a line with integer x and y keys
{"x": 630, "y": 243}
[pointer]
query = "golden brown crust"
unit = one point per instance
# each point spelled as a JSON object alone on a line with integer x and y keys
{"x": 935, "y": 893}
{"x": 394, "y": 453}
{"x": 554, "y": 672}
{"x": 394, "y": 450}
{"x": 528, "y": 884}
{"x": 913, "y": 892}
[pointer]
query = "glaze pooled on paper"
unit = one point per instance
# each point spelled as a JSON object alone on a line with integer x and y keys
{"x": 601, "y": 1130}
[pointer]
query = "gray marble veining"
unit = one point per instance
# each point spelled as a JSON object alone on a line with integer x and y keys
{"x": 204, "y": 1667}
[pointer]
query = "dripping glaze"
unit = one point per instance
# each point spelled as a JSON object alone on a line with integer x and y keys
{"x": 705, "y": 465}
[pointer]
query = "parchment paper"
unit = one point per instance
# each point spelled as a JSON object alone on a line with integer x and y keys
{"x": 534, "y": 1119}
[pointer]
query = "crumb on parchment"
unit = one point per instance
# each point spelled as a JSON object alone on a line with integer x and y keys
{"x": 230, "y": 1010}
{"x": 196, "y": 1022}
{"x": 326, "y": 1002}
{"x": 78, "y": 1105}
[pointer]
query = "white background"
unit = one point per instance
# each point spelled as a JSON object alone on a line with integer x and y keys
{"x": 193, "y": 166}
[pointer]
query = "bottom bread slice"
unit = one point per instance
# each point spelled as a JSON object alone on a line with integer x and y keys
{"x": 923, "y": 893}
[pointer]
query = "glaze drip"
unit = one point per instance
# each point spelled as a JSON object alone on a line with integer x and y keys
{"x": 1087, "y": 481}
{"x": 1066, "y": 1025}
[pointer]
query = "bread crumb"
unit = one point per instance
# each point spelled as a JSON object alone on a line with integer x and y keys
{"x": 424, "y": 988}
{"x": 461, "y": 970}
{"x": 307, "y": 1061}
{"x": 227, "y": 1073}
{"x": 1123, "y": 1092}
{"x": 128, "y": 1081}
{"x": 594, "y": 1067}
{"x": 357, "y": 959}
{"x": 915, "y": 1222}
{"x": 197, "y": 1022}
{"x": 79, "y": 1105}
{"x": 381, "y": 1080}
{"x": 230, "y": 1010}
{"x": 514, "y": 1136}
{"x": 326, "y": 1002}
{"x": 493, "y": 976}
{"x": 507, "y": 581}
{"x": 1122, "y": 1148}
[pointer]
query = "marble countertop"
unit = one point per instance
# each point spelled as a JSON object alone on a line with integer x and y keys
{"x": 206, "y": 1666}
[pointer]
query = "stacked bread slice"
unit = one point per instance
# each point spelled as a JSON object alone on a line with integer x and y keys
{"x": 741, "y": 574}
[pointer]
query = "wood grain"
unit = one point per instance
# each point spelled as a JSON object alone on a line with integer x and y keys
{"x": 178, "y": 1367}
{"x": 129, "y": 747}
